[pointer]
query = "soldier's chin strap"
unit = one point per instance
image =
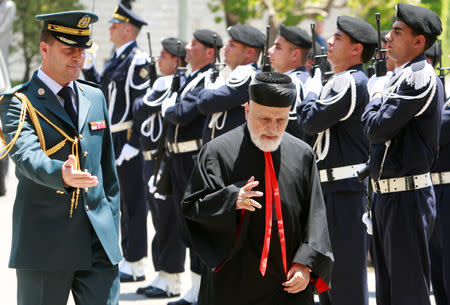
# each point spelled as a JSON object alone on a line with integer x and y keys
{"x": 33, "y": 113}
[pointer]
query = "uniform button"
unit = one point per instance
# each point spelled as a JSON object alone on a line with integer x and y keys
{"x": 81, "y": 136}
{"x": 59, "y": 192}
{"x": 87, "y": 207}
{"x": 85, "y": 153}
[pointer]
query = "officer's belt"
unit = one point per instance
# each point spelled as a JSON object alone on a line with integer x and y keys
{"x": 184, "y": 147}
{"x": 122, "y": 126}
{"x": 339, "y": 173}
{"x": 401, "y": 184}
{"x": 440, "y": 178}
{"x": 148, "y": 154}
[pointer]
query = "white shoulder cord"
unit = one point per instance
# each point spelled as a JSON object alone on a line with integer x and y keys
{"x": 419, "y": 79}
{"x": 299, "y": 88}
{"x": 112, "y": 91}
{"x": 148, "y": 126}
{"x": 341, "y": 86}
{"x": 158, "y": 101}
{"x": 249, "y": 72}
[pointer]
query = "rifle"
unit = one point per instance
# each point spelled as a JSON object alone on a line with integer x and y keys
{"x": 266, "y": 66}
{"x": 215, "y": 73}
{"x": 380, "y": 62}
{"x": 318, "y": 58}
{"x": 442, "y": 69}
{"x": 152, "y": 63}
{"x": 163, "y": 184}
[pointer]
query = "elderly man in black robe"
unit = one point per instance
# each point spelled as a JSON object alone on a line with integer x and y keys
{"x": 255, "y": 211}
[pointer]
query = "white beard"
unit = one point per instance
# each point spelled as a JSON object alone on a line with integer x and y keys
{"x": 264, "y": 145}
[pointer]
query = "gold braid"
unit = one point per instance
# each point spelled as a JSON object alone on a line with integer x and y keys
{"x": 26, "y": 105}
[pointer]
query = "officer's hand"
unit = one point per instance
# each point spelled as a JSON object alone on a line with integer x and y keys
{"x": 314, "y": 84}
{"x": 89, "y": 60}
{"x": 297, "y": 278}
{"x": 376, "y": 84}
{"x": 76, "y": 178}
{"x": 128, "y": 152}
{"x": 244, "y": 200}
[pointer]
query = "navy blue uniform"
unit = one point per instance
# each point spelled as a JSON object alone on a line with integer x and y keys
{"x": 120, "y": 92}
{"x": 227, "y": 100}
{"x": 440, "y": 241}
{"x": 403, "y": 221}
{"x": 345, "y": 198}
{"x": 186, "y": 124}
{"x": 168, "y": 249}
{"x": 299, "y": 77}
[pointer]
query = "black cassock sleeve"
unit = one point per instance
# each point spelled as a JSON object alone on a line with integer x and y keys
{"x": 209, "y": 207}
{"x": 315, "y": 250}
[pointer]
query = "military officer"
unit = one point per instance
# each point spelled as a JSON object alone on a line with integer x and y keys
{"x": 66, "y": 212}
{"x": 223, "y": 105}
{"x": 342, "y": 149}
{"x": 124, "y": 78}
{"x": 185, "y": 131}
{"x": 403, "y": 116}
{"x": 288, "y": 55}
{"x": 168, "y": 249}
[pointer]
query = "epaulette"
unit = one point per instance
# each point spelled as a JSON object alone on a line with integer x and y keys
{"x": 13, "y": 90}
{"x": 240, "y": 75}
{"x": 92, "y": 84}
{"x": 421, "y": 74}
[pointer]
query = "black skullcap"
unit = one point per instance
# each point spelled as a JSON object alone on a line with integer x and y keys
{"x": 272, "y": 89}
{"x": 123, "y": 14}
{"x": 247, "y": 35}
{"x": 70, "y": 28}
{"x": 420, "y": 19}
{"x": 170, "y": 45}
{"x": 296, "y": 36}
{"x": 357, "y": 29}
{"x": 206, "y": 37}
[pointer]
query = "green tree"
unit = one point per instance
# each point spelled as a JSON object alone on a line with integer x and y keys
{"x": 29, "y": 28}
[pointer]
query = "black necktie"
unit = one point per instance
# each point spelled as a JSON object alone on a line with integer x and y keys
{"x": 66, "y": 94}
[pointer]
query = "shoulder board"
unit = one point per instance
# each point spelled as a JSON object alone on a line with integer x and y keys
{"x": 14, "y": 89}
{"x": 417, "y": 66}
{"x": 92, "y": 84}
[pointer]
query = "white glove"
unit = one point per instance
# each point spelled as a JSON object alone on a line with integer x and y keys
{"x": 217, "y": 84}
{"x": 368, "y": 222}
{"x": 141, "y": 58}
{"x": 128, "y": 152}
{"x": 314, "y": 84}
{"x": 89, "y": 60}
{"x": 151, "y": 185}
{"x": 168, "y": 102}
{"x": 376, "y": 85}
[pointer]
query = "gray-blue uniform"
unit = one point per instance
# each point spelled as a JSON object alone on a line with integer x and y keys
{"x": 224, "y": 106}
{"x": 403, "y": 127}
{"x": 440, "y": 241}
{"x": 342, "y": 149}
{"x": 57, "y": 248}
{"x": 121, "y": 88}
{"x": 184, "y": 135}
{"x": 168, "y": 249}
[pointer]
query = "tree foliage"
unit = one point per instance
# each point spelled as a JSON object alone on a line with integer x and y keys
{"x": 28, "y": 28}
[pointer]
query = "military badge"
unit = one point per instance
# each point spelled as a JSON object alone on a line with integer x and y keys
{"x": 97, "y": 125}
{"x": 41, "y": 91}
{"x": 84, "y": 22}
{"x": 143, "y": 73}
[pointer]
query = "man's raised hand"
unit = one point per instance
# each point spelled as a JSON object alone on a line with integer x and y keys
{"x": 76, "y": 178}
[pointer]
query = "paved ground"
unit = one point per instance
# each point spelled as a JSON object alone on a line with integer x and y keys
{"x": 127, "y": 296}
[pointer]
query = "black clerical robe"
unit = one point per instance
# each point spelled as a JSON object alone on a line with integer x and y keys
{"x": 230, "y": 241}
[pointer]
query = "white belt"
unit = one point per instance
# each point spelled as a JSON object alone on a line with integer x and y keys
{"x": 122, "y": 126}
{"x": 339, "y": 173}
{"x": 440, "y": 178}
{"x": 401, "y": 184}
{"x": 187, "y": 146}
{"x": 148, "y": 154}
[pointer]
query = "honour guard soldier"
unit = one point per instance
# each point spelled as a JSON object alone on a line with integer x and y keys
{"x": 288, "y": 55}
{"x": 168, "y": 249}
{"x": 124, "y": 78}
{"x": 224, "y": 105}
{"x": 185, "y": 130}
{"x": 342, "y": 149}
{"x": 404, "y": 116}
{"x": 66, "y": 212}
